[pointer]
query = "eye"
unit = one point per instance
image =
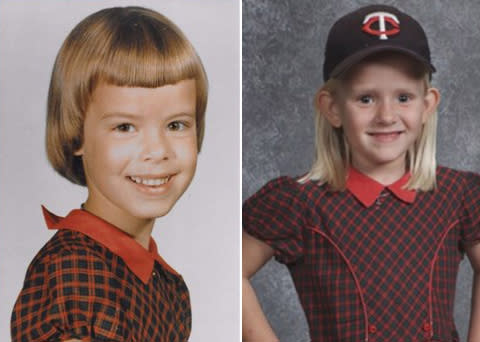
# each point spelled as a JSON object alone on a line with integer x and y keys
{"x": 177, "y": 126}
{"x": 365, "y": 99}
{"x": 403, "y": 98}
{"x": 125, "y": 127}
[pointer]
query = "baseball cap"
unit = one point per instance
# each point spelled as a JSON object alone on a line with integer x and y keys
{"x": 369, "y": 30}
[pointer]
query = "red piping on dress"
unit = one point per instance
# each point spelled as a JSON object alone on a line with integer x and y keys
{"x": 430, "y": 281}
{"x": 357, "y": 283}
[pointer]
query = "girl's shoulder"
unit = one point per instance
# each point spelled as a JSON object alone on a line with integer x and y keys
{"x": 458, "y": 186}
{"x": 453, "y": 179}
{"x": 67, "y": 242}
{"x": 288, "y": 186}
{"x": 67, "y": 249}
{"x": 67, "y": 278}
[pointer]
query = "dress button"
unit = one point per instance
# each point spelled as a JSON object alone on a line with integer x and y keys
{"x": 372, "y": 329}
{"x": 427, "y": 327}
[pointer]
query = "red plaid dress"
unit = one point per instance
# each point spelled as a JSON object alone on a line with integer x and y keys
{"x": 371, "y": 263}
{"x": 93, "y": 282}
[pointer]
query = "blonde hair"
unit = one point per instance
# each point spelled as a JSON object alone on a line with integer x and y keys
{"x": 130, "y": 46}
{"x": 332, "y": 152}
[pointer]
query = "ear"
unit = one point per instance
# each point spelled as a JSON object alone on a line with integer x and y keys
{"x": 79, "y": 152}
{"x": 432, "y": 99}
{"x": 328, "y": 107}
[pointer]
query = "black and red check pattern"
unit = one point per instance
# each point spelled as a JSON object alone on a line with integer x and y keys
{"x": 371, "y": 263}
{"x": 95, "y": 283}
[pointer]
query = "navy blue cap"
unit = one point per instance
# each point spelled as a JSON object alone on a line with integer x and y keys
{"x": 369, "y": 30}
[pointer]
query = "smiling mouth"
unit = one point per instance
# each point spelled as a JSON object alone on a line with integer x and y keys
{"x": 385, "y": 133}
{"x": 385, "y": 136}
{"x": 153, "y": 182}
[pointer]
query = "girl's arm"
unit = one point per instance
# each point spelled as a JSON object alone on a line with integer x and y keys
{"x": 255, "y": 327}
{"x": 473, "y": 253}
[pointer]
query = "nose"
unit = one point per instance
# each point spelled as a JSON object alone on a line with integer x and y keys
{"x": 386, "y": 112}
{"x": 156, "y": 145}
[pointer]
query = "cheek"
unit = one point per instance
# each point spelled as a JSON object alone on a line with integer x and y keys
{"x": 119, "y": 152}
{"x": 186, "y": 151}
{"x": 353, "y": 127}
{"x": 417, "y": 119}
{"x": 105, "y": 154}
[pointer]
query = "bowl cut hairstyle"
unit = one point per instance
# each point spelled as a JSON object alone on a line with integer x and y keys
{"x": 129, "y": 46}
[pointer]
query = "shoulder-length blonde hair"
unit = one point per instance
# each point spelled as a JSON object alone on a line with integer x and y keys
{"x": 333, "y": 155}
{"x": 130, "y": 46}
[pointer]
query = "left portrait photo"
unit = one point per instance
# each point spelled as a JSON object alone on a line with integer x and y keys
{"x": 120, "y": 170}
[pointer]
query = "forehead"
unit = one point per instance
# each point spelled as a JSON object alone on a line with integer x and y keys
{"x": 171, "y": 99}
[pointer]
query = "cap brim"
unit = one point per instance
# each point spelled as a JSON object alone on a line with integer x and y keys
{"x": 350, "y": 61}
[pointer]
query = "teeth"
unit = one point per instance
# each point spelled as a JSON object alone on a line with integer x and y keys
{"x": 150, "y": 181}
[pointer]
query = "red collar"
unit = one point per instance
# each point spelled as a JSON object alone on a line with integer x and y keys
{"x": 367, "y": 190}
{"x": 139, "y": 260}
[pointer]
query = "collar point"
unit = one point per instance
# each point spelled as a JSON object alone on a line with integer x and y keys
{"x": 50, "y": 219}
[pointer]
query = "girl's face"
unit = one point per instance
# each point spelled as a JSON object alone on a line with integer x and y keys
{"x": 382, "y": 109}
{"x": 139, "y": 151}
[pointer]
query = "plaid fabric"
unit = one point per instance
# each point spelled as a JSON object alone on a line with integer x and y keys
{"x": 377, "y": 270}
{"x": 78, "y": 288}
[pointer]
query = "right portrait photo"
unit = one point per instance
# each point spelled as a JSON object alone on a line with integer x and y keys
{"x": 360, "y": 171}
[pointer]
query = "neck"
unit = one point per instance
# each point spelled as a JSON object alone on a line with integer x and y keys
{"x": 385, "y": 174}
{"x": 139, "y": 229}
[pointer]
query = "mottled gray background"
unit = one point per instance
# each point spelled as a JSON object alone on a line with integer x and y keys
{"x": 282, "y": 68}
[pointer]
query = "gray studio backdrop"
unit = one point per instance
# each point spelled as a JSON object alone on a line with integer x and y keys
{"x": 200, "y": 237}
{"x": 283, "y": 45}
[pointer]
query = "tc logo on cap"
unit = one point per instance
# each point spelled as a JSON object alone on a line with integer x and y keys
{"x": 382, "y": 18}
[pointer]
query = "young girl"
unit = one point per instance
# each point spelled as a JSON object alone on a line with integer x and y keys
{"x": 374, "y": 233}
{"x": 125, "y": 118}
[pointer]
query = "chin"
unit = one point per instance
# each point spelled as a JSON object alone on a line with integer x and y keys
{"x": 150, "y": 213}
{"x": 389, "y": 156}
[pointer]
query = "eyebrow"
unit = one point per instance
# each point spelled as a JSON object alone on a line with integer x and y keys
{"x": 109, "y": 115}
{"x": 371, "y": 89}
{"x": 132, "y": 116}
{"x": 192, "y": 114}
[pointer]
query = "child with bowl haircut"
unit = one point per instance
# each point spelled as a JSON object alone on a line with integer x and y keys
{"x": 374, "y": 233}
{"x": 126, "y": 111}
